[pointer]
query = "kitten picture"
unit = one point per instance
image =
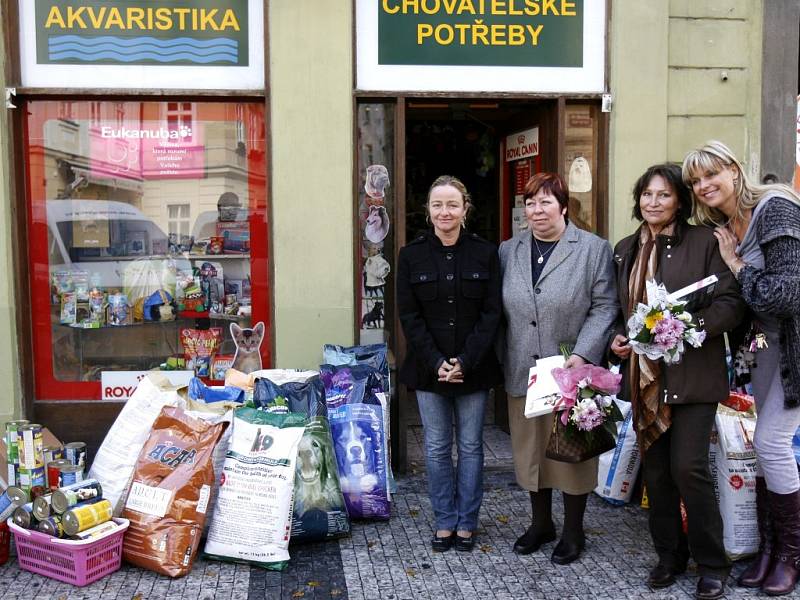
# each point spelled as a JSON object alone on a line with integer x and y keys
{"x": 248, "y": 344}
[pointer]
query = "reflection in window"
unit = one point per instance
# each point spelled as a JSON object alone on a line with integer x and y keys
{"x": 178, "y": 219}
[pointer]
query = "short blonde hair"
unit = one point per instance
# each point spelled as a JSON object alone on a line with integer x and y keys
{"x": 456, "y": 183}
{"x": 714, "y": 156}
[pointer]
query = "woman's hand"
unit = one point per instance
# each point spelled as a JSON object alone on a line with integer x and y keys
{"x": 451, "y": 372}
{"x": 620, "y": 346}
{"x": 727, "y": 248}
{"x": 574, "y": 361}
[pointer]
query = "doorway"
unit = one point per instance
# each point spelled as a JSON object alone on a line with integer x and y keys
{"x": 468, "y": 139}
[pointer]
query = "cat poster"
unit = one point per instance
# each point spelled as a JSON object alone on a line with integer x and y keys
{"x": 248, "y": 347}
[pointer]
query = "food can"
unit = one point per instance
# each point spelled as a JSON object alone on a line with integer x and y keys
{"x": 52, "y": 526}
{"x": 75, "y": 452}
{"x": 83, "y": 517}
{"x": 30, "y": 444}
{"x": 30, "y": 479}
{"x": 52, "y": 453}
{"x": 54, "y": 472}
{"x": 41, "y": 506}
{"x": 67, "y": 497}
{"x": 12, "y": 427}
{"x": 69, "y": 475}
{"x": 23, "y": 516}
{"x": 96, "y": 531}
{"x": 10, "y": 500}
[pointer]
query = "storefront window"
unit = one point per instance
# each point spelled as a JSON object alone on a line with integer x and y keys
{"x": 581, "y": 148}
{"x": 148, "y": 237}
{"x": 375, "y": 204}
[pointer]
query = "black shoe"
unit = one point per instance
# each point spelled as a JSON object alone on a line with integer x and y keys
{"x": 567, "y": 551}
{"x": 661, "y": 576}
{"x": 709, "y": 588}
{"x": 532, "y": 540}
{"x": 465, "y": 544}
{"x": 442, "y": 544}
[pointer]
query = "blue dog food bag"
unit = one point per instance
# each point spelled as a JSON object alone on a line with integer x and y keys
{"x": 359, "y": 437}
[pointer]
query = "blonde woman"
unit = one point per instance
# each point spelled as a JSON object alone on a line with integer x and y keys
{"x": 758, "y": 229}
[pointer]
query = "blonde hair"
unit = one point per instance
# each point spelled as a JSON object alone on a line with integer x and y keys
{"x": 714, "y": 156}
{"x": 456, "y": 183}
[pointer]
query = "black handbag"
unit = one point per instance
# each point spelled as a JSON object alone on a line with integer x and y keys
{"x": 573, "y": 446}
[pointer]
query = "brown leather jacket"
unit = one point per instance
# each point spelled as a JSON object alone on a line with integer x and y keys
{"x": 689, "y": 255}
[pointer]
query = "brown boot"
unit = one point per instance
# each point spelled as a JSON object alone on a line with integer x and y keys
{"x": 754, "y": 575}
{"x": 785, "y": 572}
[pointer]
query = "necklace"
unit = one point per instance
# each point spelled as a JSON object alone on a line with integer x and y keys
{"x": 540, "y": 260}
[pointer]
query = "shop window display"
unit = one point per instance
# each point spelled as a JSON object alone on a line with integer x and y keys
{"x": 148, "y": 237}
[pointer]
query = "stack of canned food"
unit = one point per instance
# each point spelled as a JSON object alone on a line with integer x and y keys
{"x": 77, "y": 511}
{"x": 35, "y": 468}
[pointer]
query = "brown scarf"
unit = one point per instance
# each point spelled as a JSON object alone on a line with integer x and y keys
{"x": 652, "y": 418}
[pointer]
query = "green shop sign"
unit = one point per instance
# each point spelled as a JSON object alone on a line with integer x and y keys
{"x": 515, "y": 33}
{"x": 142, "y": 32}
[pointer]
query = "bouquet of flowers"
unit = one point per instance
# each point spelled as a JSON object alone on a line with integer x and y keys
{"x": 586, "y": 399}
{"x": 659, "y": 328}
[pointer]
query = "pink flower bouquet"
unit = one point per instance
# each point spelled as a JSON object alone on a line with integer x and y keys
{"x": 587, "y": 398}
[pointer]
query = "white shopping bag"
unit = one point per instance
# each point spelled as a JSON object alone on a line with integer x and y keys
{"x": 543, "y": 393}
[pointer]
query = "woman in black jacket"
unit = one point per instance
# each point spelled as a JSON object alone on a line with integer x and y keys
{"x": 448, "y": 298}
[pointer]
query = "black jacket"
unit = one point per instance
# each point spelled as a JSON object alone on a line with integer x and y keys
{"x": 449, "y": 302}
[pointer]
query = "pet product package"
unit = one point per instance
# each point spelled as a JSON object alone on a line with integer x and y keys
{"x": 253, "y": 517}
{"x": 115, "y": 460}
{"x": 207, "y": 393}
{"x": 319, "y": 509}
{"x": 618, "y": 468}
{"x": 732, "y": 459}
{"x": 358, "y": 429}
{"x": 170, "y": 493}
{"x": 375, "y": 356}
{"x": 200, "y": 346}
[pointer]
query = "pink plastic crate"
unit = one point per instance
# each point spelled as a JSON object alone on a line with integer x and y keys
{"x": 79, "y": 562}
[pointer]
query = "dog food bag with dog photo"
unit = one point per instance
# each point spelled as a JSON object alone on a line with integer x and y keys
{"x": 200, "y": 346}
{"x": 358, "y": 431}
{"x": 170, "y": 493}
{"x": 253, "y": 517}
{"x": 319, "y": 509}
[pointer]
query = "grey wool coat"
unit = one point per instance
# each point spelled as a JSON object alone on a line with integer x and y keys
{"x": 574, "y": 301}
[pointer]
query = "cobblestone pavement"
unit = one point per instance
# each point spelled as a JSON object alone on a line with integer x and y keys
{"x": 393, "y": 561}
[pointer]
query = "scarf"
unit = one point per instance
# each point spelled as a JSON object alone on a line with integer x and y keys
{"x": 651, "y": 417}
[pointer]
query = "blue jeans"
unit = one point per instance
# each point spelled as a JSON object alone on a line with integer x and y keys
{"x": 455, "y": 494}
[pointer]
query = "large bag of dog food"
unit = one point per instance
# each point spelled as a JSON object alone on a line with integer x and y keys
{"x": 732, "y": 459}
{"x": 319, "y": 508}
{"x": 253, "y": 517}
{"x": 358, "y": 428}
{"x": 618, "y": 468}
{"x": 170, "y": 492}
{"x": 375, "y": 356}
{"x": 113, "y": 466}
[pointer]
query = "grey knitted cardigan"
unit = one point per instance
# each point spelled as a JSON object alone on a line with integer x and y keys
{"x": 775, "y": 289}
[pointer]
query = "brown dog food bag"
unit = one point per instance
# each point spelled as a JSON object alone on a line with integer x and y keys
{"x": 169, "y": 495}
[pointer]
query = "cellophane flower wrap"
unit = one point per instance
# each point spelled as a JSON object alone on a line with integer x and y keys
{"x": 661, "y": 329}
{"x": 587, "y": 398}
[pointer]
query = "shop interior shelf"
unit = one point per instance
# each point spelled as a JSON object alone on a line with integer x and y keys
{"x": 145, "y": 257}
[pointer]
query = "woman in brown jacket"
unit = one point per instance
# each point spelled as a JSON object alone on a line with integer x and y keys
{"x": 675, "y": 406}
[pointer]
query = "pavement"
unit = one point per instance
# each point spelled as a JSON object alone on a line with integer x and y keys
{"x": 392, "y": 560}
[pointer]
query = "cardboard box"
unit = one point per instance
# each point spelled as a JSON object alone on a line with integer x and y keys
{"x": 49, "y": 440}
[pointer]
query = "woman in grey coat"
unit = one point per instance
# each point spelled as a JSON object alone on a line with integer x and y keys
{"x": 558, "y": 288}
{"x": 758, "y": 228}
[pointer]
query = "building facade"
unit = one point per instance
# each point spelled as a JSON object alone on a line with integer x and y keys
{"x": 316, "y": 128}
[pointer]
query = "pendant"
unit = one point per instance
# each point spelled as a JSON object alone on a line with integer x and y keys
{"x": 540, "y": 260}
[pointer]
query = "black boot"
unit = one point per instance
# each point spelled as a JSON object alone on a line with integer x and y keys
{"x": 541, "y": 530}
{"x": 785, "y": 572}
{"x": 572, "y": 540}
{"x": 753, "y": 576}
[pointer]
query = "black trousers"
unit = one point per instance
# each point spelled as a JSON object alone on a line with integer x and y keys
{"x": 675, "y": 467}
